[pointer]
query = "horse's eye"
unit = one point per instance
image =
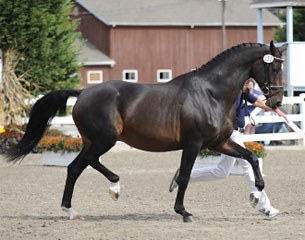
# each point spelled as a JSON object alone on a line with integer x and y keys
{"x": 275, "y": 70}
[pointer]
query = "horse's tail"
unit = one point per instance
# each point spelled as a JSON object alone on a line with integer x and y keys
{"x": 40, "y": 117}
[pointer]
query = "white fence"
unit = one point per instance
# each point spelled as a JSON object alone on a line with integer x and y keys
{"x": 297, "y": 132}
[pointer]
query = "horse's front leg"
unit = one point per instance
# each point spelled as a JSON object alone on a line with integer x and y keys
{"x": 187, "y": 161}
{"x": 233, "y": 149}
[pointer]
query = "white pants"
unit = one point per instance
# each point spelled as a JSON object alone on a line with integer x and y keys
{"x": 223, "y": 168}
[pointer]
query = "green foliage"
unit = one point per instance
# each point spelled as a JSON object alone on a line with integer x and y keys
{"x": 44, "y": 34}
{"x": 298, "y": 26}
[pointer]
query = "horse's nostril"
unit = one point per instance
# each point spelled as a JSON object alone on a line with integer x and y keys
{"x": 278, "y": 104}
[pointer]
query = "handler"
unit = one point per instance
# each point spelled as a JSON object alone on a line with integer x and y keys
{"x": 258, "y": 200}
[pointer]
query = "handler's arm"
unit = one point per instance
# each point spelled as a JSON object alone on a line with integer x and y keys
{"x": 261, "y": 104}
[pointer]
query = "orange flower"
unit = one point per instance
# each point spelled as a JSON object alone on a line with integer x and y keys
{"x": 257, "y": 148}
{"x": 60, "y": 143}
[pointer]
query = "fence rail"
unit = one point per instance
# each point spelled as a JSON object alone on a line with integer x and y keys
{"x": 297, "y": 132}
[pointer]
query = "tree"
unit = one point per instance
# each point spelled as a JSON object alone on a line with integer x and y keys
{"x": 37, "y": 39}
{"x": 298, "y": 26}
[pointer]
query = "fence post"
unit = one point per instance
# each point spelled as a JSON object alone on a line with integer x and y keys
{"x": 302, "y": 113}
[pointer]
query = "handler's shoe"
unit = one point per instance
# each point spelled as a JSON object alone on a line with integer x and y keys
{"x": 173, "y": 183}
{"x": 269, "y": 212}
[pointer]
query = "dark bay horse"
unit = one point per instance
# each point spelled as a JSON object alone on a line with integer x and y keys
{"x": 191, "y": 112}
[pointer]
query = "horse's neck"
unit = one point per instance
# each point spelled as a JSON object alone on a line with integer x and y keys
{"x": 229, "y": 75}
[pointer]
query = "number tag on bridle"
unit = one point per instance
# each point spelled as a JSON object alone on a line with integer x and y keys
{"x": 268, "y": 58}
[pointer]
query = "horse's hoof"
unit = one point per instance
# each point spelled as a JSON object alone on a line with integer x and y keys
{"x": 114, "y": 191}
{"x": 188, "y": 219}
{"x": 76, "y": 217}
{"x": 114, "y": 195}
{"x": 73, "y": 215}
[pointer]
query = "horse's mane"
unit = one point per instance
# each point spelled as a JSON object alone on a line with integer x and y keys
{"x": 225, "y": 53}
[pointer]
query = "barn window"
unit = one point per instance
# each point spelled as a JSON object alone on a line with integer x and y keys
{"x": 130, "y": 75}
{"x": 94, "y": 77}
{"x": 164, "y": 75}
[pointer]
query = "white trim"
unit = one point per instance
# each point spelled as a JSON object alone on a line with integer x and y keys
{"x": 191, "y": 25}
{"x": 277, "y": 4}
{"x": 95, "y": 72}
{"x": 130, "y": 71}
{"x": 170, "y": 75}
{"x": 93, "y": 63}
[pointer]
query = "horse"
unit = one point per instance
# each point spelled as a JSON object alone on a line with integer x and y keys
{"x": 191, "y": 112}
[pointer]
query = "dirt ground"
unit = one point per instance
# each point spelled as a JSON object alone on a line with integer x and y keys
{"x": 30, "y": 198}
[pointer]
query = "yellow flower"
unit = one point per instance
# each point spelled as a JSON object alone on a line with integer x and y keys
{"x": 2, "y": 130}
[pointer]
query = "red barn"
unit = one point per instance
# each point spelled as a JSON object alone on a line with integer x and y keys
{"x": 154, "y": 41}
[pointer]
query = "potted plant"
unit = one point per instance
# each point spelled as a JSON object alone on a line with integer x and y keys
{"x": 59, "y": 149}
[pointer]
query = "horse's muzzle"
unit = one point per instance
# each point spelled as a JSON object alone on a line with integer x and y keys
{"x": 278, "y": 104}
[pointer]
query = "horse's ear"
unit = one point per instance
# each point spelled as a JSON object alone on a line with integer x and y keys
{"x": 272, "y": 47}
{"x": 283, "y": 48}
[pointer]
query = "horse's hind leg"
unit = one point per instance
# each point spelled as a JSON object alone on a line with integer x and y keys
{"x": 73, "y": 172}
{"x": 114, "y": 190}
{"x": 85, "y": 158}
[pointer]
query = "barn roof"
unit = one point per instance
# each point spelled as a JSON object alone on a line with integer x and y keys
{"x": 277, "y": 3}
{"x": 90, "y": 55}
{"x": 175, "y": 12}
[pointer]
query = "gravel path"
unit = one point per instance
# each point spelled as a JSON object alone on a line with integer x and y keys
{"x": 31, "y": 194}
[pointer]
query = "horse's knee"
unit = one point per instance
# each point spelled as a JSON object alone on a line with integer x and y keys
{"x": 73, "y": 170}
{"x": 253, "y": 160}
{"x": 182, "y": 181}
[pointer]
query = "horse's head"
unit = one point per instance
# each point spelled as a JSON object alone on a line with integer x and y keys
{"x": 267, "y": 72}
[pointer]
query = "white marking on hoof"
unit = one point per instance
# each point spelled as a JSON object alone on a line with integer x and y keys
{"x": 74, "y": 215}
{"x": 114, "y": 190}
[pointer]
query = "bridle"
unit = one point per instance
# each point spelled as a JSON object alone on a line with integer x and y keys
{"x": 268, "y": 60}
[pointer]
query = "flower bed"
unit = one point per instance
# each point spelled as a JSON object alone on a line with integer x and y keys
{"x": 52, "y": 141}
{"x": 60, "y": 144}
{"x": 9, "y": 137}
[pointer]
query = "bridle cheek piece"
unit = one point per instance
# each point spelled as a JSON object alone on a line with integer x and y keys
{"x": 268, "y": 58}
